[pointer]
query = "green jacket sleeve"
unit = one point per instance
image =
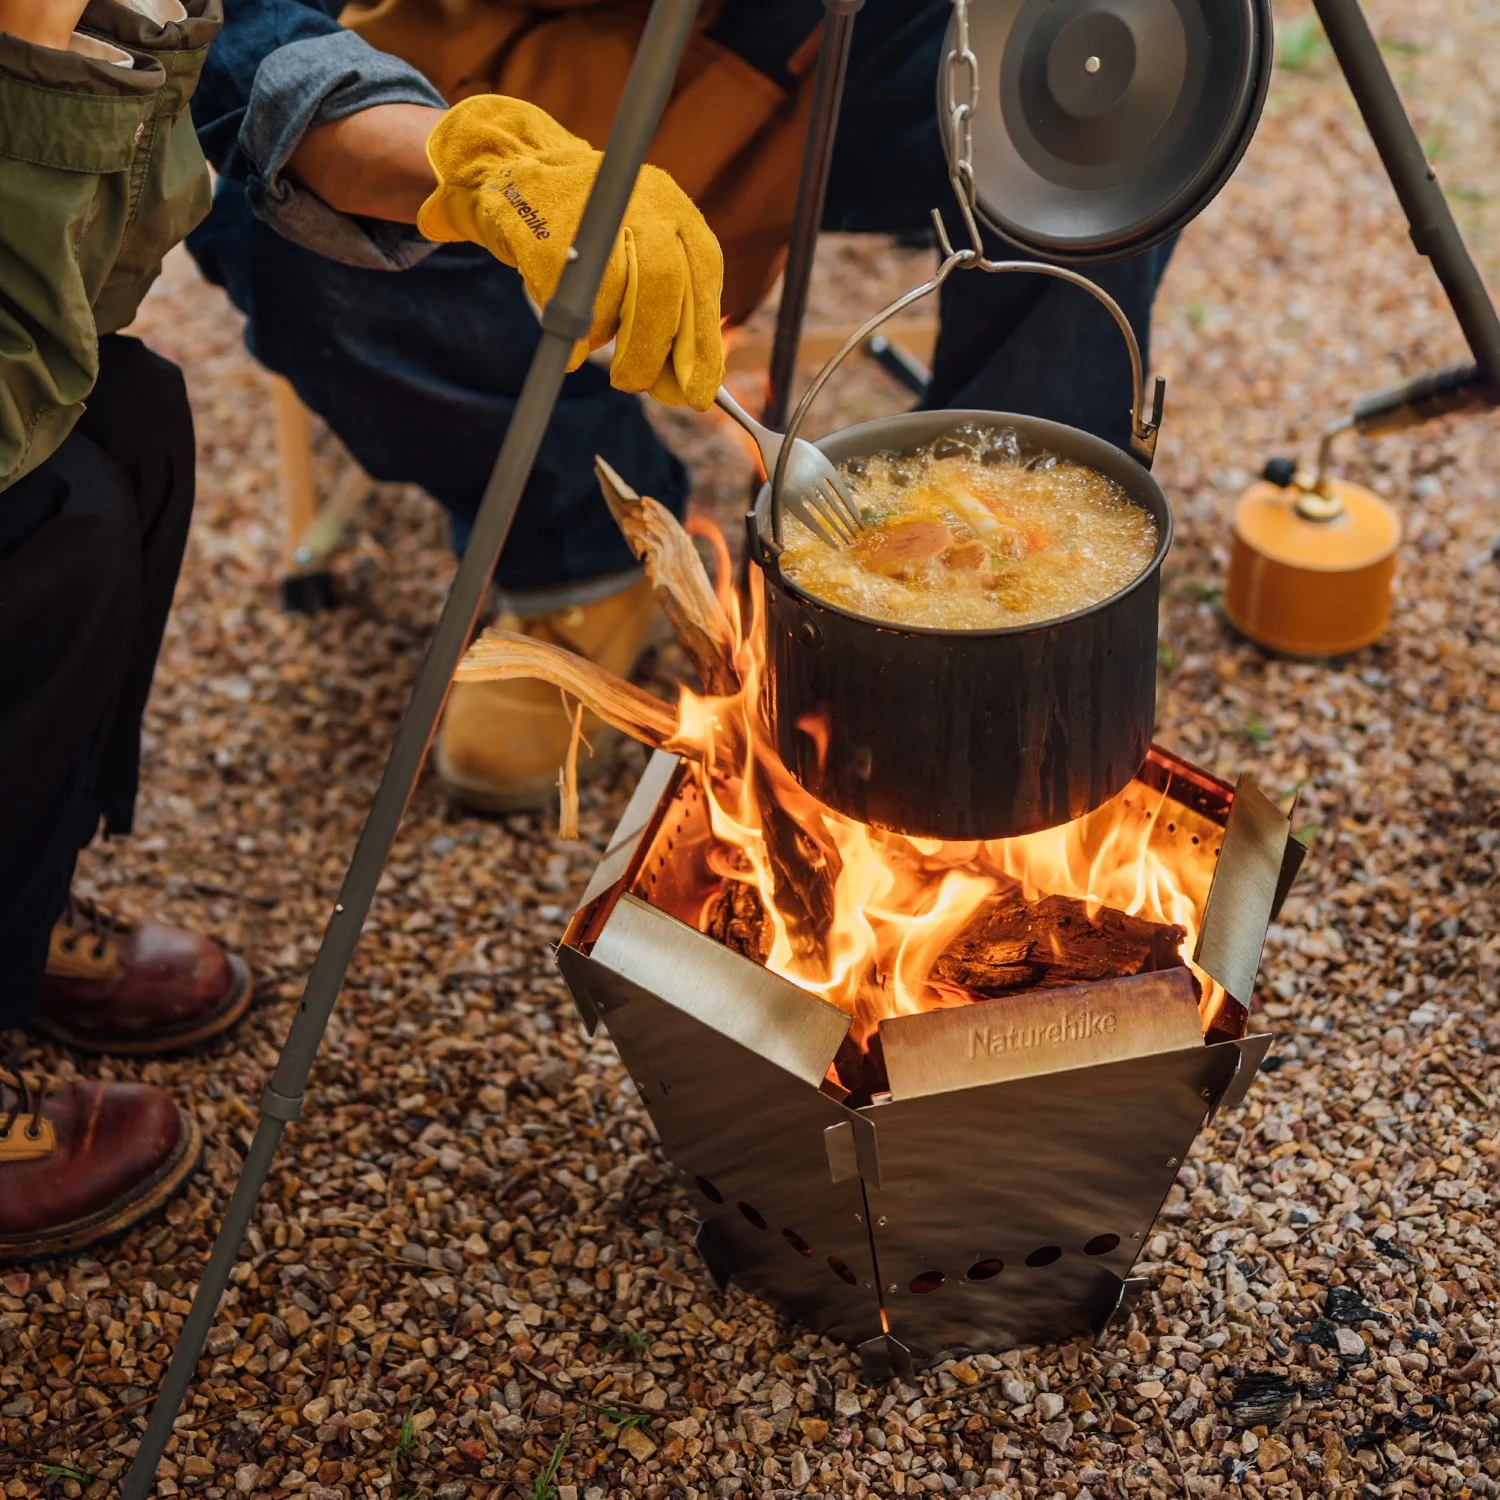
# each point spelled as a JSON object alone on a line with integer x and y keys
{"x": 99, "y": 177}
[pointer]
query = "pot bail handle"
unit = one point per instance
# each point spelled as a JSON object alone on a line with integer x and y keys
{"x": 1144, "y": 426}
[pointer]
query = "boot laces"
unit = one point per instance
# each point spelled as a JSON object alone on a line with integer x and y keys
{"x": 22, "y": 1094}
{"x": 86, "y": 918}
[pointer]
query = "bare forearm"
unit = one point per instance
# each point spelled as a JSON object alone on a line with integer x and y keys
{"x": 47, "y": 23}
{"x": 373, "y": 163}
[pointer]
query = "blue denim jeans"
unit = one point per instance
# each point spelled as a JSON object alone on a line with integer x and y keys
{"x": 418, "y": 370}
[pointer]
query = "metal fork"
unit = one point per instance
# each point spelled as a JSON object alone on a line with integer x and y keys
{"x": 813, "y": 490}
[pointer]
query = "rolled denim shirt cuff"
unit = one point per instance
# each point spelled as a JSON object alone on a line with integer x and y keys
{"x": 313, "y": 82}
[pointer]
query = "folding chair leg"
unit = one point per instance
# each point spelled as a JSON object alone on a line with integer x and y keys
{"x": 301, "y": 591}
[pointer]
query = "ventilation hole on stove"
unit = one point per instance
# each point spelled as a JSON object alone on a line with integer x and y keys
{"x": 796, "y": 1241}
{"x": 842, "y": 1271}
{"x": 1045, "y": 1256}
{"x": 926, "y": 1281}
{"x": 752, "y": 1215}
{"x": 1101, "y": 1244}
{"x": 709, "y": 1191}
{"x": 983, "y": 1270}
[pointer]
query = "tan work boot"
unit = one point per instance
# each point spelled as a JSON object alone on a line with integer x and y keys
{"x": 501, "y": 744}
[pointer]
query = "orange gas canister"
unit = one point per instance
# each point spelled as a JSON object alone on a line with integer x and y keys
{"x": 1310, "y": 571}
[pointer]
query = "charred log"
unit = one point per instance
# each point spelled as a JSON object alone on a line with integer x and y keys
{"x": 801, "y": 866}
{"x": 861, "y": 1070}
{"x": 736, "y": 918}
{"x": 804, "y": 883}
{"x": 804, "y": 876}
{"x": 1012, "y": 944}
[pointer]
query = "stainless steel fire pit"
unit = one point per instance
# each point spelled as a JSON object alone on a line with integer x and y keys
{"x": 1003, "y": 1189}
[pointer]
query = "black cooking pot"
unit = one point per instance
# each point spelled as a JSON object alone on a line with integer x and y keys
{"x": 960, "y": 734}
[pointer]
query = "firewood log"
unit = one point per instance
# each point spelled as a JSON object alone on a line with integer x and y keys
{"x": 861, "y": 1069}
{"x": 805, "y": 870}
{"x": 804, "y": 866}
{"x": 1013, "y": 944}
{"x": 803, "y": 881}
{"x": 736, "y": 918}
{"x": 804, "y": 873}
{"x": 678, "y": 578}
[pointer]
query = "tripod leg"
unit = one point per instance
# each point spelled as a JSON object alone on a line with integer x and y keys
{"x": 807, "y": 209}
{"x": 566, "y": 318}
{"x": 1433, "y": 230}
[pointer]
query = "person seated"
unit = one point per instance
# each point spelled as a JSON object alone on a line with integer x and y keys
{"x": 101, "y": 174}
{"x": 318, "y": 116}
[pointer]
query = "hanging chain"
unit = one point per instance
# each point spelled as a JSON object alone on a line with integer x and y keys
{"x": 961, "y": 97}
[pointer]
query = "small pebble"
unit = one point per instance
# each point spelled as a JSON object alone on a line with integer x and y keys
{"x": 1349, "y": 1342}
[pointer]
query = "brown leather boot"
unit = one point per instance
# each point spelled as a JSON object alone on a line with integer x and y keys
{"x": 82, "y": 1161}
{"x": 501, "y": 744}
{"x": 128, "y": 985}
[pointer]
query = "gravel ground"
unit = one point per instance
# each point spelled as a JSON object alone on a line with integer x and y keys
{"x": 471, "y": 1275}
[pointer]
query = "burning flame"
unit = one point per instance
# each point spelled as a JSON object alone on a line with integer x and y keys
{"x": 898, "y": 902}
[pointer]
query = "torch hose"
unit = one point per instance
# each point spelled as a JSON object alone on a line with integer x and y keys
{"x": 1442, "y": 393}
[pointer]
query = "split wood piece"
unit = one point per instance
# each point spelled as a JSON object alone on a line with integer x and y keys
{"x": 804, "y": 871}
{"x": 500, "y": 655}
{"x": 1012, "y": 944}
{"x": 678, "y": 578}
{"x": 567, "y": 778}
{"x": 803, "y": 878}
{"x": 804, "y": 875}
{"x": 803, "y": 868}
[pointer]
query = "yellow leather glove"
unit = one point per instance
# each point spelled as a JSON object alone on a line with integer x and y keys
{"x": 512, "y": 179}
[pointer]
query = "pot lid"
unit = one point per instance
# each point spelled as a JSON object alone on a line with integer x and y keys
{"x": 1103, "y": 126}
{"x": 1365, "y": 531}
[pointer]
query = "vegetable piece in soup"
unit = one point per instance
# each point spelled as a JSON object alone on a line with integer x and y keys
{"x": 966, "y": 534}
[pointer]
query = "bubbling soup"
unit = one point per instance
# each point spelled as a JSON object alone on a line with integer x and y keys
{"x": 969, "y": 533}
